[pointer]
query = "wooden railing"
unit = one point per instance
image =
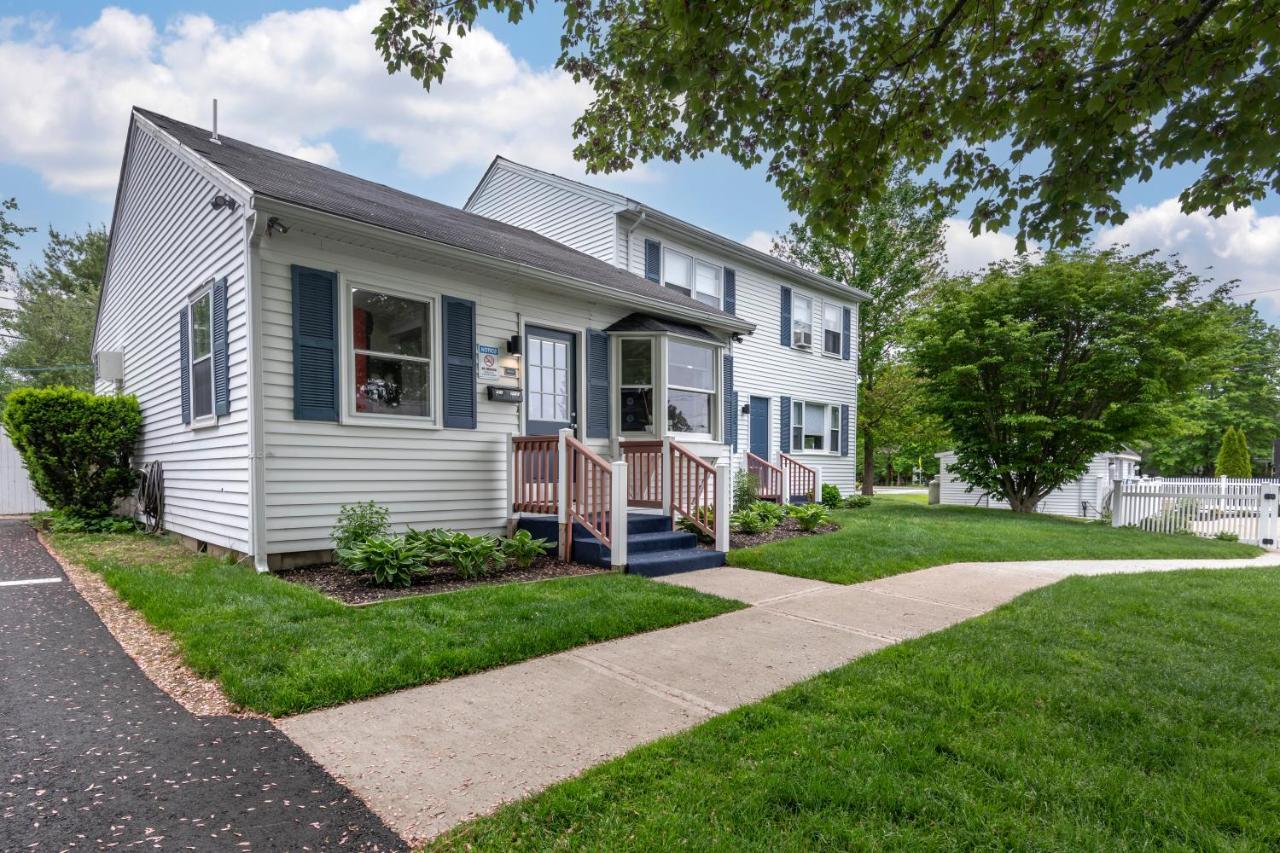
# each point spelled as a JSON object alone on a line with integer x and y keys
{"x": 644, "y": 472}
{"x": 802, "y": 479}
{"x": 590, "y": 489}
{"x": 768, "y": 477}
{"x": 693, "y": 489}
{"x": 535, "y": 474}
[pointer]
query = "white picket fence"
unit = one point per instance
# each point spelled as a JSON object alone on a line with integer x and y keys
{"x": 1201, "y": 506}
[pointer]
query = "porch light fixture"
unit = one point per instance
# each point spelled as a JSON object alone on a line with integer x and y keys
{"x": 275, "y": 226}
{"x": 513, "y": 345}
{"x": 222, "y": 201}
{"x": 746, "y": 408}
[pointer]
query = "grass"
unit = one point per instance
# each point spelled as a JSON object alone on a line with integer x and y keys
{"x": 900, "y": 533}
{"x": 1113, "y": 713}
{"x": 280, "y": 648}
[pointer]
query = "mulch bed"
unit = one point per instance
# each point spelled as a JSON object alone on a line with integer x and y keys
{"x": 788, "y": 529}
{"x": 349, "y": 588}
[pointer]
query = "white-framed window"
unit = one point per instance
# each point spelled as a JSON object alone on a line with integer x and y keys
{"x": 202, "y": 356}
{"x": 832, "y": 328}
{"x": 391, "y": 350}
{"x": 815, "y": 427}
{"x": 801, "y": 321}
{"x": 707, "y": 283}
{"x": 677, "y": 271}
{"x": 691, "y": 387}
{"x": 635, "y": 385}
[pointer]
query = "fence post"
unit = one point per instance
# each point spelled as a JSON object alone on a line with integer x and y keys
{"x": 723, "y": 505}
{"x": 1117, "y": 502}
{"x": 618, "y": 516}
{"x": 562, "y": 493}
{"x": 666, "y": 477}
{"x": 1269, "y": 516}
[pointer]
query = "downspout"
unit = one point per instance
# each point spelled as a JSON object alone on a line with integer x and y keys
{"x": 257, "y": 442}
{"x": 626, "y": 262}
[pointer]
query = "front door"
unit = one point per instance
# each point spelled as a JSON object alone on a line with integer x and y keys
{"x": 551, "y": 386}
{"x": 760, "y": 427}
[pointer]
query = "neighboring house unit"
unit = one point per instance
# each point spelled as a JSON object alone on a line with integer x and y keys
{"x": 1084, "y": 497}
{"x": 300, "y": 339}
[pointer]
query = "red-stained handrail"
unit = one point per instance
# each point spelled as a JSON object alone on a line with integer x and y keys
{"x": 802, "y": 479}
{"x": 693, "y": 487}
{"x": 768, "y": 477}
{"x": 535, "y": 459}
{"x": 590, "y": 489}
{"x": 644, "y": 472}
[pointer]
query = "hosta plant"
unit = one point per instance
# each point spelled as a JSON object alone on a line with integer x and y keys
{"x": 810, "y": 516}
{"x": 522, "y": 549}
{"x": 389, "y": 560}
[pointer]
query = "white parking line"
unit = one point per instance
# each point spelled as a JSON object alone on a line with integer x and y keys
{"x": 30, "y": 581}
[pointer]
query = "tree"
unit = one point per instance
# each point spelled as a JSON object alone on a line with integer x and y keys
{"x": 8, "y": 231}
{"x": 1037, "y": 367}
{"x": 1242, "y": 389}
{"x": 899, "y": 262}
{"x": 1233, "y": 457}
{"x": 51, "y": 328}
{"x": 1043, "y": 110}
{"x": 908, "y": 433}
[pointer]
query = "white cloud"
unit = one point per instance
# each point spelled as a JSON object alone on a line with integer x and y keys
{"x": 287, "y": 80}
{"x": 761, "y": 240}
{"x": 1239, "y": 245}
{"x": 966, "y": 253}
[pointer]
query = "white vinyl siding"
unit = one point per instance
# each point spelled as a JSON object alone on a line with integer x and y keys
{"x": 166, "y": 243}
{"x": 427, "y": 477}
{"x": 1079, "y": 498}
{"x": 579, "y": 221}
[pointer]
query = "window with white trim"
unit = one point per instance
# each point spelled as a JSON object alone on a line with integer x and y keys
{"x": 707, "y": 283}
{"x": 635, "y": 385}
{"x": 391, "y": 350}
{"x": 832, "y": 328}
{"x": 815, "y": 427}
{"x": 202, "y": 356}
{"x": 692, "y": 277}
{"x": 691, "y": 387}
{"x": 801, "y": 321}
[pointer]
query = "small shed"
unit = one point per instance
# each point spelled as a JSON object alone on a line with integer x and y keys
{"x": 1081, "y": 498}
{"x": 17, "y": 497}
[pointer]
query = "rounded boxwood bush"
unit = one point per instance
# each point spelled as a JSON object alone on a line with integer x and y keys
{"x": 77, "y": 446}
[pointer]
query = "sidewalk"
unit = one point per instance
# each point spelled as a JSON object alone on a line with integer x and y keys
{"x": 427, "y": 758}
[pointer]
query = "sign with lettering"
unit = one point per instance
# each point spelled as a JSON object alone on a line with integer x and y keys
{"x": 487, "y": 362}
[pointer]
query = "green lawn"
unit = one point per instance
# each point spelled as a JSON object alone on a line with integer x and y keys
{"x": 899, "y": 533}
{"x": 280, "y": 648}
{"x": 1110, "y": 713}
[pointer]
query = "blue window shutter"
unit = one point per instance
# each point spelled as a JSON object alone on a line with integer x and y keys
{"x": 315, "y": 344}
{"x": 221, "y": 366}
{"x": 786, "y": 316}
{"x": 730, "y": 291}
{"x": 785, "y": 417}
{"x": 597, "y": 384}
{"x": 848, "y": 326}
{"x": 730, "y": 436}
{"x": 653, "y": 260}
{"x": 459, "y": 363}
{"x": 184, "y": 362}
{"x": 844, "y": 425}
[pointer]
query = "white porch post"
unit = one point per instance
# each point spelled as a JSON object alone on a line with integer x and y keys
{"x": 666, "y": 476}
{"x": 817, "y": 484}
{"x": 562, "y": 493}
{"x": 724, "y": 504}
{"x": 786, "y": 481}
{"x": 511, "y": 484}
{"x": 618, "y": 516}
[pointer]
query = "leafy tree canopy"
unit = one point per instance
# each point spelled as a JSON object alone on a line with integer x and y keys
{"x": 1037, "y": 367}
{"x": 898, "y": 264}
{"x": 50, "y": 331}
{"x": 1043, "y": 111}
{"x": 9, "y": 230}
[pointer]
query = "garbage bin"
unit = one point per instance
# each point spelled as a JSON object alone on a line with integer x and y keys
{"x": 935, "y": 491}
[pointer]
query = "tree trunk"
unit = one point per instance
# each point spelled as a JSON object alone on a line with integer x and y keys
{"x": 868, "y": 464}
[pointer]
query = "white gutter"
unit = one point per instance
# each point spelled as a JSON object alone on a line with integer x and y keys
{"x": 626, "y": 262}
{"x": 256, "y": 433}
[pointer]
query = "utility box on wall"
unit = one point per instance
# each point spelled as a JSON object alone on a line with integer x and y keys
{"x": 109, "y": 366}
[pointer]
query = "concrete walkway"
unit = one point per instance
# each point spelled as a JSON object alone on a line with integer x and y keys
{"x": 427, "y": 758}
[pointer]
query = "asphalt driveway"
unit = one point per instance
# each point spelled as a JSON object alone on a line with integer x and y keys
{"x": 93, "y": 754}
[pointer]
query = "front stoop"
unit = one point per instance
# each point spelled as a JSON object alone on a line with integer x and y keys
{"x": 654, "y": 548}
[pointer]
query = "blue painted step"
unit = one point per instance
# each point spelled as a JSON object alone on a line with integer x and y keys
{"x": 656, "y": 563}
{"x": 653, "y": 547}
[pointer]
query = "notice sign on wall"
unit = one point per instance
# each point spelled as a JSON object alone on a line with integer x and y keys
{"x": 487, "y": 360}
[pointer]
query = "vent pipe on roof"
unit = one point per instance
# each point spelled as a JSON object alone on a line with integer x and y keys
{"x": 214, "y": 138}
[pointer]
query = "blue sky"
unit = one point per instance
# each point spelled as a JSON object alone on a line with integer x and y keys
{"x": 295, "y": 77}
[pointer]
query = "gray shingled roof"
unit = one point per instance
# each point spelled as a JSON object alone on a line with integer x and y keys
{"x": 647, "y": 323}
{"x": 288, "y": 179}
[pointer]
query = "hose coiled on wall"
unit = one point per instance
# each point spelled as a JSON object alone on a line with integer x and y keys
{"x": 151, "y": 496}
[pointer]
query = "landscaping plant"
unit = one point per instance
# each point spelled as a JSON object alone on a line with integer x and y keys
{"x": 856, "y": 502}
{"x": 472, "y": 556}
{"x": 746, "y": 488}
{"x": 809, "y": 516}
{"x": 390, "y": 560}
{"x": 358, "y": 522}
{"x": 521, "y": 549}
{"x": 76, "y": 446}
{"x": 771, "y": 512}
{"x": 1233, "y": 457}
{"x": 705, "y": 514}
{"x": 830, "y": 496}
{"x": 747, "y": 521}
{"x": 433, "y": 542}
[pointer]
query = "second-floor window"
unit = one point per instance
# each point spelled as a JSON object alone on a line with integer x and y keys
{"x": 832, "y": 328}
{"x": 801, "y": 321}
{"x": 691, "y": 277}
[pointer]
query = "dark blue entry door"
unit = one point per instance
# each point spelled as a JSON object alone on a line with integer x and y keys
{"x": 551, "y": 383}
{"x": 760, "y": 426}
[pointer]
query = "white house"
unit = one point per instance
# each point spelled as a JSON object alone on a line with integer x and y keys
{"x": 300, "y": 338}
{"x": 1084, "y": 497}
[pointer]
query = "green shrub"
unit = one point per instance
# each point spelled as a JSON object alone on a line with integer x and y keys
{"x": 1233, "y": 456}
{"x": 770, "y": 512}
{"x": 522, "y": 549}
{"x": 1226, "y": 536}
{"x": 62, "y": 521}
{"x": 747, "y": 521}
{"x": 856, "y": 502}
{"x": 391, "y": 560}
{"x": 472, "y": 556}
{"x": 434, "y": 543}
{"x": 357, "y": 523}
{"x": 831, "y": 496}
{"x": 77, "y": 446}
{"x": 746, "y": 489}
{"x": 809, "y": 516}
{"x": 705, "y": 514}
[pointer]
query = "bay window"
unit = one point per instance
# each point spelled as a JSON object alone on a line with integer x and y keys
{"x": 391, "y": 344}
{"x": 635, "y": 403}
{"x": 815, "y": 427}
{"x": 691, "y": 387}
{"x": 832, "y": 328}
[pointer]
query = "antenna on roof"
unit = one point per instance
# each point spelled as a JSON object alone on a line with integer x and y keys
{"x": 214, "y": 138}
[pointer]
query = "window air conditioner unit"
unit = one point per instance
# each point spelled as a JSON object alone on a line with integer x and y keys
{"x": 802, "y": 338}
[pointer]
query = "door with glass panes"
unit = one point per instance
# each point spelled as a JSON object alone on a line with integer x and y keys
{"x": 550, "y": 381}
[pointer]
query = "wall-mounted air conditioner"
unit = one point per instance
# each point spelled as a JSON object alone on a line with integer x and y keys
{"x": 802, "y": 338}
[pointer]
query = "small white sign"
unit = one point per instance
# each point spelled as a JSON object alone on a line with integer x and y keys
{"x": 487, "y": 360}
